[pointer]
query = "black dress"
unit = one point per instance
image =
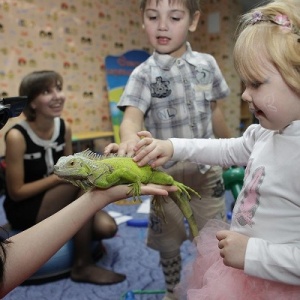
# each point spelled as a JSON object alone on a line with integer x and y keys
{"x": 39, "y": 159}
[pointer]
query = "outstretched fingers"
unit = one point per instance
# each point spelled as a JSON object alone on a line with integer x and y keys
{"x": 155, "y": 189}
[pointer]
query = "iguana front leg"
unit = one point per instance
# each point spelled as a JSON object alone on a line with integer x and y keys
{"x": 119, "y": 176}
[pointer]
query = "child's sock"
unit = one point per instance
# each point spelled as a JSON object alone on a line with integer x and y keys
{"x": 171, "y": 266}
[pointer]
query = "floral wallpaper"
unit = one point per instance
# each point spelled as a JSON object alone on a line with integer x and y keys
{"x": 73, "y": 37}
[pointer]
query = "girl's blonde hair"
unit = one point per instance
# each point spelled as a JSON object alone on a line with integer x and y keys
{"x": 261, "y": 36}
{"x": 191, "y": 5}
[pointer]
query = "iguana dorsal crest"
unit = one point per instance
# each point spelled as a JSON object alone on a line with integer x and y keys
{"x": 87, "y": 153}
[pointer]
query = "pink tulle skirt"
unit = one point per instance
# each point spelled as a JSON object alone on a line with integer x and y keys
{"x": 207, "y": 278}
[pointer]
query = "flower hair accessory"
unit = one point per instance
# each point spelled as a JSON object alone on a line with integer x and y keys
{"x": 279, "y": 19}
{"x": 257, "y": 16}
{"x": 282, "y": 20}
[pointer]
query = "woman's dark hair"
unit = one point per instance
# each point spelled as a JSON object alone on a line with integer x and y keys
{"x": 34, "y": 84}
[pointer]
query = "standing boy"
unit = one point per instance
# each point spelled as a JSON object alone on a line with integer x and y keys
{"x": 173, "y": 94}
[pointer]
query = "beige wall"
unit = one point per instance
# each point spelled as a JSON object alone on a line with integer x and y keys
{"x": 73, "y": 37}
{"x": 220, "y": 45}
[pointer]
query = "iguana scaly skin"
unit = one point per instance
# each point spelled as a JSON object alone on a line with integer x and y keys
{"x": 87, "y": 169}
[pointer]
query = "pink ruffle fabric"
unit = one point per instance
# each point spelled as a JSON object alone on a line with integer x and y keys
{"x": 207, "y": 278}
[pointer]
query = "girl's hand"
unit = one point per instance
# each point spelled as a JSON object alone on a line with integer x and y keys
{"x": 232, "y": 247}
{"x": 152, "y": 151}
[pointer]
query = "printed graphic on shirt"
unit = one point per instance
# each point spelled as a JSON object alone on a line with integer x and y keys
{"x": 155, "y": 223}
{"x": 219, "y": 189}
{"x": 250, "y": 201}
{"x": 165, "y": 114}
{"x": 204, "y": 75}
{"x": 160, "y": 89}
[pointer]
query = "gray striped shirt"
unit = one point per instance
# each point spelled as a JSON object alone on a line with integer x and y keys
{"x": 175, "y": 93}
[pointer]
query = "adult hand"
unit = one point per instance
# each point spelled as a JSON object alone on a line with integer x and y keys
{"x": 232, "y": 247}
{"x": 154, "y": 189}
{"x": 103, "y": 197}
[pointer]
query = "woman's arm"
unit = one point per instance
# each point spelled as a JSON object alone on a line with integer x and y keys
{"x": 14, "y": 173}
{"x": 30, "y": 249}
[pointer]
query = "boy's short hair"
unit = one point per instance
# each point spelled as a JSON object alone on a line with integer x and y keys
{"x": 34, "y": 84}
{"x": 191, "y": 5}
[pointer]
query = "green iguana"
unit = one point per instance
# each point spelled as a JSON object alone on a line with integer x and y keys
{"x": 87, "y": 169}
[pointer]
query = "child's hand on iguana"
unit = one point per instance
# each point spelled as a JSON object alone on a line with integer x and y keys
{"x": 111, "y": 148}
{"x": 152, "y": 151}
{"x": 126, "y": 148}
{"x": 122, "y": 149}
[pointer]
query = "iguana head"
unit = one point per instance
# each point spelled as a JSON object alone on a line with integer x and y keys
{"x": 72, "y": 167}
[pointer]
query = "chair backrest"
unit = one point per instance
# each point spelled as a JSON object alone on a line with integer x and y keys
{"x": 118, "y": 70}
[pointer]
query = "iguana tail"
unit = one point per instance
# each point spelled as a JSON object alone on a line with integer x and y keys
{"x": 182, "y": 198}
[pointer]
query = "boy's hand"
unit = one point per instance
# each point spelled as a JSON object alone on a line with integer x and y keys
{"x": 122, "y": 149}
{"x": 111, "y": 148}
{"x": 232, "y": 247}
{"x": 126, "y": 148}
